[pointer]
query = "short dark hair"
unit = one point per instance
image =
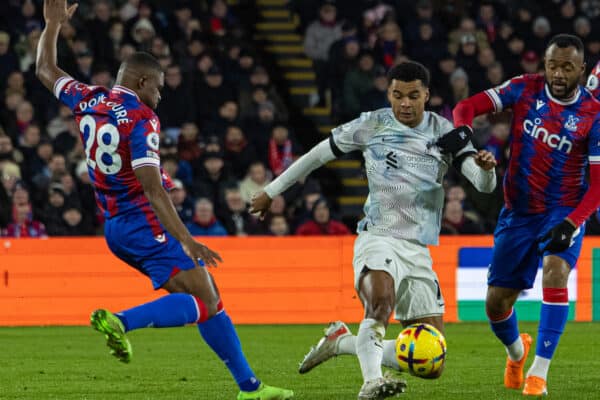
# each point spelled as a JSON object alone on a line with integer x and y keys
{"x": 143, "y": 60}
{"x": 563, "y": 40}
{"x": 409, "y": 71}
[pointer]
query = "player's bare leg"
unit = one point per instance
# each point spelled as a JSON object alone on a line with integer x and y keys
{"x": 377, "y": 294}
{"x": 554, "y": 313}
{"x": 219, "y": 333}
{"x": 503, "y": 321}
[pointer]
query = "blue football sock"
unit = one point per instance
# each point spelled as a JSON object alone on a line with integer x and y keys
{"x": 219, "y": 333}
{"x": 553, "y": 317}
{"x": 505, "y": 327}
{"x": 176, "y": 309}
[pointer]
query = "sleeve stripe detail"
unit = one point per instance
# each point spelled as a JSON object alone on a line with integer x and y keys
{"x": 60, "y": 84}
{"x": 334, "y": 147}
{"x": 495, "y": 99}
{"x": 144, "y": 161}
{"x": 594, "y": 159}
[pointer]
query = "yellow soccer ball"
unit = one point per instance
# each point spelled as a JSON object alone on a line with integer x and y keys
{"x": 421, "y": 350}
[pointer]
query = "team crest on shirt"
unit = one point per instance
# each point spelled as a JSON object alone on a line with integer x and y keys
{"x": 153, "y": 141}
{"x": 571, "y": 124}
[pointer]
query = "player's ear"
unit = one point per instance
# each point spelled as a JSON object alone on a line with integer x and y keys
{"x": 142, "y": 81}
{"x": 426, "y": 94}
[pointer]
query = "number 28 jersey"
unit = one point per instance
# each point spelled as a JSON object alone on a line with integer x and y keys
{"x": 119, "y": 134}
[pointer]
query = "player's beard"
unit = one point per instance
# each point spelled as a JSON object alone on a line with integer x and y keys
{"x": 566, "y": 93}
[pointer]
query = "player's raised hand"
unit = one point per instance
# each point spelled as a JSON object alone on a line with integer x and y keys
{"x": 485, "y": 160}
{"x": 56, "y": 11}
{"x": 260, "y": 203}
{"x": 197, "y": 251}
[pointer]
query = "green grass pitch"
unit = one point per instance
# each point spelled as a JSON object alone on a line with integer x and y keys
{"x": 73, "y": 363}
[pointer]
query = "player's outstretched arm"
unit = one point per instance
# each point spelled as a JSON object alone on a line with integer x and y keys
{"x": 55, "y": 13}
{"x": 317, "y": 156}
{"x": 150, "y": 179}
{"x": 471, "y": 107}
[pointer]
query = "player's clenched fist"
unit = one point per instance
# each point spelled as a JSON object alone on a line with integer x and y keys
{"x": 57, "y": 11}
{"x": 260, "y": 203}
{"x": 197, "y": 251}
{"x": 485, "y": 160}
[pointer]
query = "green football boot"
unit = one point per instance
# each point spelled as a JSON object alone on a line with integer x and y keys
{"x": 265, "y": 392}
{"x": 107, "y": 323}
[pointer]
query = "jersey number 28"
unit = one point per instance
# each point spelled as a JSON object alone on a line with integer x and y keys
{"x": 107, "y": 139}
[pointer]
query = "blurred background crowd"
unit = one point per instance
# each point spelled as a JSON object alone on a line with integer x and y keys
{"x": 228, "y": 123}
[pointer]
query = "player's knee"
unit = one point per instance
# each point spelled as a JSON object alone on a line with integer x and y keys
{"x": 208, "y": 307}
{"x": 496, "y": 304}
{"x": 379, "y": 308}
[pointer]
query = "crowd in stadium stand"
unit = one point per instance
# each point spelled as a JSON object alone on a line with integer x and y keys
{"x": 225, "y": 125}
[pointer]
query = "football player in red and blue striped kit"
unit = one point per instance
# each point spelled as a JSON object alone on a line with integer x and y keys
{"x": 120, "y": 134}
{"x": 555, "y": 135}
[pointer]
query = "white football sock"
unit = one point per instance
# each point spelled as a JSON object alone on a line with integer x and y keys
{"x": 369, "y": 348}
{"x": 389, "y": 355}
{"x": 539, "y": 367}
{"x": 515, "y": 350}
{"x": 346, "y": 345}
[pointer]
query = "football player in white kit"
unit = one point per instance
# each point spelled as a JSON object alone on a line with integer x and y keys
{"x": 407, "y": 152}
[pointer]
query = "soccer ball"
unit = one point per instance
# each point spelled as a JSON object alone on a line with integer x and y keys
{"x": 420, "y": 350}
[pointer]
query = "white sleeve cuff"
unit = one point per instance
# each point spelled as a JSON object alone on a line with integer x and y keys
{"x": 317, "y": 156}
{"x": 60, "y": 84}
{"x": 594, "y": 159}
{"x": 144, "y": 162}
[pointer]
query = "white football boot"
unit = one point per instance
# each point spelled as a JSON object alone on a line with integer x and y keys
{"x": 326, "y": 348}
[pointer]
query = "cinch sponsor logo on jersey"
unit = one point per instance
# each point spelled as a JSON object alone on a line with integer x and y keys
{"x": 554, "y": 141}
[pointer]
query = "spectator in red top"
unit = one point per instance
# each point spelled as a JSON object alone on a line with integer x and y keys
{"x": 23, "y": 225}
{"x": 281, "y": 153}
{"x": 321, "y": 222}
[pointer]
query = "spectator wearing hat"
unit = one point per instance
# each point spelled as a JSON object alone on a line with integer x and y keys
{"x": 530, "y": 62}
{"x": 238, "y": 151}
{"x": 177, "y": 102}
{"x": 213, "y": 92}
{"x": 376, "y": 98}
{"x": 8, "y": 59}
{"x": 459, "y": 81}
{"x": 319, "y": 37}
{"x": 357, "y": 83}
{"x": 84, "y": 60}
{"x": 249, "y": 105}
{"x": 235, "y": 216}
{"x": 183, "y": 204}
{"x": 53, "y": 210}
{"x": 467, "y": 27}
{"x": 256, "y": 179}
{"x": 321, "y": 222}
{"x": 212, "y": 177}
{"x": 204, "y": 222}
{"x": 542, "y": 31}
